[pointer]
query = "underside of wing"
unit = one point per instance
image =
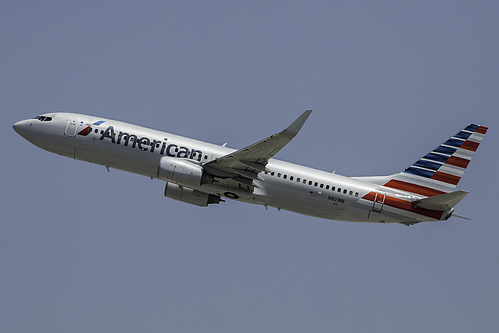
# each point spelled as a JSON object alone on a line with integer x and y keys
{"x": 243, "y": 166}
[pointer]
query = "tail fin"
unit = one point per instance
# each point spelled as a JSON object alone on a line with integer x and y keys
{"x": 439, "y": 171}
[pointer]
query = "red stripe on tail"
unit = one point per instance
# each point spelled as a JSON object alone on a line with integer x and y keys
{"x": 458, "y": 161}
{"x": 470, "y": 145}
{"x": 482, "y": 129}
{"x": 413, "y": 188}
{"x": 446, "y": 178}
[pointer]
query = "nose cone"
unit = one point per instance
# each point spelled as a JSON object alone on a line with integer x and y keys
{"x": 21, "y": 127}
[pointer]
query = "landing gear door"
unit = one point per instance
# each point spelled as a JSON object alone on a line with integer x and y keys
{"x": 71, "y": 126}
{"x": 379, "y": 201}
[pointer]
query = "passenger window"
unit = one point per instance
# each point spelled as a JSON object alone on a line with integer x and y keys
{"x": 322, "y": 185}
{"x": 356, "y": 194}
{"x": 339, "y": 189}
{"x": 344, "y": 191}
{"x": 309, "y": 182}
{"x": 285, "y": 176}
{"x": 316, "y": 183}
{"x": 298, "y": 180}
{"x": 291, "y": 177}
{"x": 333, "y": 188}
{"x": 96, "y": 130}
{"x": 279, "y": 174}
{"x": 272, "y": 173}
{"x": 304, "y": 181}
{"x": 350, "y": 193}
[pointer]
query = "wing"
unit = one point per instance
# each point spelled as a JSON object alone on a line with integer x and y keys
{"x": 244, "y": 165}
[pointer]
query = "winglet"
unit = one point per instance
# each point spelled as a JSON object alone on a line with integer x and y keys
{"x": 295, "y": 127}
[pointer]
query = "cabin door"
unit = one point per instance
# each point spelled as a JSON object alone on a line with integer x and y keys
{"x": 379, "y": 201}
{"x": 72, "y": 126}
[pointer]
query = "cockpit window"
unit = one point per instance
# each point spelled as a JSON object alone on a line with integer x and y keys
{"x": 43, "y": 118}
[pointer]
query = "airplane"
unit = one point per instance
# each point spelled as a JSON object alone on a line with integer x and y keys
{"x": 201, "y": 173}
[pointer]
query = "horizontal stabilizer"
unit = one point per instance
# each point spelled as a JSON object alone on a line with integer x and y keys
{"x": 441, "y": 202}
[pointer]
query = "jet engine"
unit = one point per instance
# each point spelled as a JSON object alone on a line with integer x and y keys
{"x": 182, "y": 172}
{"x": 188, "y": 195}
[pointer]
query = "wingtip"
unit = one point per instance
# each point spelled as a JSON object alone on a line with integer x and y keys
{"x": 295, "y": 127}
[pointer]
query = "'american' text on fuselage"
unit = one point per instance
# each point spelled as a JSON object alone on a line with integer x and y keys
{"x": 144, "y": 143}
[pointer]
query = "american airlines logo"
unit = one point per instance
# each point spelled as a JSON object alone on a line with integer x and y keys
{"x": 147, "y": 144}
{"x": 86, "y": 131}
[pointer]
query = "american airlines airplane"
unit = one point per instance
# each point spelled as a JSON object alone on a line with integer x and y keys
{"x": 201, "y": 173}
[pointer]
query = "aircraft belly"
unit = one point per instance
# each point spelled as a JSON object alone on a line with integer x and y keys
{"x": 312, "y": 204}
{"x": 118, "y": 157}
{"x": 351, "y": 210}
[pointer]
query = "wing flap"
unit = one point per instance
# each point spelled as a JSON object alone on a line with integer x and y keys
{"x": 248, "y": 174}
{"x": 254, "y": 166}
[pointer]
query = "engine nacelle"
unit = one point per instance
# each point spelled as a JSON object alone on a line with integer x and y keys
{"x": 182, "y": 172}
{"x": 188, "y": 195}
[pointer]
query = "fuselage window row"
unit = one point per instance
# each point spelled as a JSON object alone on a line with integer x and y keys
{"x": 298, "y": 179}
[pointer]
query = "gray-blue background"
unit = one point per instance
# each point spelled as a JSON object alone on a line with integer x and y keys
{"x": 84, "y": 250}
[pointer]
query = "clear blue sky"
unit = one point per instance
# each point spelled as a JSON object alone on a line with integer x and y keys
{"x": 84, "y": 250}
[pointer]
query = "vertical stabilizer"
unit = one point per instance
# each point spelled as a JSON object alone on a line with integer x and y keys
{"x": 439, "y": 171}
